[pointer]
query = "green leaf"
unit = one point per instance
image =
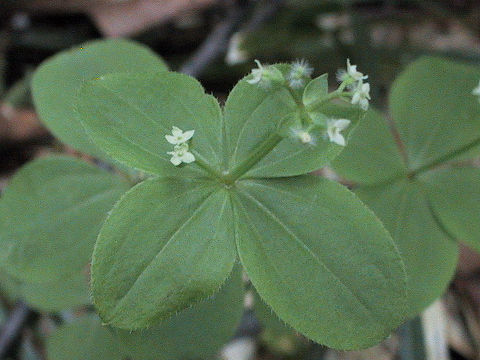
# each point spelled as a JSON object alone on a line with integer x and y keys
{"x": 10, "y": 287}
{"x": 316, "y": 89}
{"x": 269, "y": 321}
{"x": 435, "y": 112}
{"x": 51, "y": 213}
{"x": 167, "y": 244}
{"x": 83, "y": 339}
{"x": 426, "y": 211}
{"x": 128, "y": 117}
{"x": 57, "y": 296}
{"x": 57, "y": 81}
{"x": 319, "y": 257}
{"x": 195, "y": 333}
{"x": 455, "y": 198}
{"x": 48, "y": 297}
{"x": 252, "y": 114}
{"x": 372, "y": 155}
{"x": 430, "y": 256}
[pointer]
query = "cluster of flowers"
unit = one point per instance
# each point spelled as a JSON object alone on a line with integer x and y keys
{"x": 268, "y": 76}
{"x": 298, "y": 76}
{"x": 180, "y": 153}
{"x": 300, "y": 72}
{"x": 334, "y": 129}
{"x": 353, "y": 80}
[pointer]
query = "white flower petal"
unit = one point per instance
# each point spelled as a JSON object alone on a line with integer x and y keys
{"x": 364, "y": 104}
{"x": 175, "y": 160}
{"x": 187, "y": 135}
{"x": 366, "y": 90}
{"x": 188, "y": 157}
{"x": 354, "y": 73}
{"x": 342, "y": 124}
{"x": 334, "y": 127}
{"x": 476, "y": 91}
{"x": 257, "y": 76}
{"x": 176, "y": 131}
{"x": 338, "y": 138}
{"x": 330, "y": 132}
{"x": 171, "y": 139}
{"x": 356, "y": 98}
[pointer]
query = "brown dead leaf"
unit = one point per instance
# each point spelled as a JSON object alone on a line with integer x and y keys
{"x": 19, "y": 125}
{"x": 116, "y": 18}
{"x": 128, "y": 18}
{"x": 468, "y": 262}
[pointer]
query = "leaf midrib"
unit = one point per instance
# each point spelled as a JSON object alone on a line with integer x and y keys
{"x": 412, "y": 173}
{"x": 120, "y": 301}
{"x": 274, "y": 217}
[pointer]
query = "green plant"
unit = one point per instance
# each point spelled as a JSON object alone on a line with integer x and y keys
{"x": 173, "y": 239}
{"x": 416, "y": 171}
{"x": 203, "y": 187}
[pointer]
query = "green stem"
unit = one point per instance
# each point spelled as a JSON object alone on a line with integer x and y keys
{"x": 200, "y": 161}
{"x": 265, "y": 148}
{"x": 274, "y": 139}
{"x": 294, "y": 96}
{"x": 337, "y": 94}
{"x": 445, "y": 158}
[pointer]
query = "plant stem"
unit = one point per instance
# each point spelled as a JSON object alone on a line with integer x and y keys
{"x": 442, "y": 159}
{"x": 339, "y": 93}
{"x": 200, "y": 161}
{"x": 265, "y": 148}
{"x": 269, "y": 144}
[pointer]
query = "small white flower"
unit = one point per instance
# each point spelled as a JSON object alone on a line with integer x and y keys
{"x": 476, "y": 91}
{"x": 257, "y": 74}
{"x": 350, "y": 73}
{"x": 298, "y": 74}
{"x": 334, "y": 127}
{"x": 361, "y": 95}
{"x": 181, "y": 154}
{"x": 266, "y": 76}
{"x": 303, "y": 135}
{"x": 353, "y": 73}
{"x": 178, "y": 136}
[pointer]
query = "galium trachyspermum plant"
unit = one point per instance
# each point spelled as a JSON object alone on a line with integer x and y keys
{"x": 225, "y": 184}
{"x": 236, "y": 188}
{"x": 232, "y": 183}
